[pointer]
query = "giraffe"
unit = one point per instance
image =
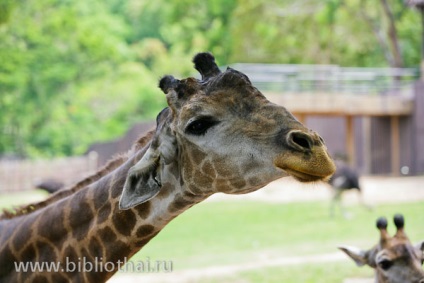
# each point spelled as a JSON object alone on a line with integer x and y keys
{"x": 218, "y": 134}
{"x": 394, "y": 259}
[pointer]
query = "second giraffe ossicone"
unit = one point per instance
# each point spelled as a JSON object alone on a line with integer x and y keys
{"x": 218, "y": 134}
{"x": 394, "y": 259}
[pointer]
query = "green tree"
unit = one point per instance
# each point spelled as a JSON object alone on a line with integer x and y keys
{"x": 48, "y": 50}
{"x": 345, "y": 32}
{"x": 6, "y": 7}
{"x": 74, "y": 72}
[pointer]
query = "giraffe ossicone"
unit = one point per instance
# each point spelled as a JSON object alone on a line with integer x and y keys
{"x": 218, "y": 134}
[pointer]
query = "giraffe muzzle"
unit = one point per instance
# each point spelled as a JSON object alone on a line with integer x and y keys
{"x": 306, "y": 158}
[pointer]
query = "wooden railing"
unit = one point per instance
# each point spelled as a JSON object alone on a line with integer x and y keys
{"x": 329, "y": 79}
{"x": 21, "y": 175}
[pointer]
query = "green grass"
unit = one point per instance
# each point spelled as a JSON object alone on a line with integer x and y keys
{"x": 311, "y": 273}
{"x": 9, "y": 200}
{"x": 219, "y": 233}
{"x": 230, "y": 233}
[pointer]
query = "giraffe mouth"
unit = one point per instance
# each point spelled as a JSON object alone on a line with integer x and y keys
{"x": 305, "y": 177}
{"x": 307, "y": 167}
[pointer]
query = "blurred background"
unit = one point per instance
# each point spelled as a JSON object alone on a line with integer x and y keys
{"x": 78, "y": 84}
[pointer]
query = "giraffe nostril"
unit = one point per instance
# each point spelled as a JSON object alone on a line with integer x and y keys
{"x": 300, "y": 141}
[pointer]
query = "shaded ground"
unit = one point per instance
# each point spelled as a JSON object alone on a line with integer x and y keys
{"x": 376, "y": 190}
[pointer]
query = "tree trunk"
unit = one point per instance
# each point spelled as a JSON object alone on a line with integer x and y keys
{"x": 392, "y": 33}
{"x": 421, "y": 9}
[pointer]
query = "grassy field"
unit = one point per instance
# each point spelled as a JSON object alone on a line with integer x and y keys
{"x": 311, "y": 273}
{"x": 219, "y": 233}
{"x": 229, "y": 233}
{"x": 10, "y": 200}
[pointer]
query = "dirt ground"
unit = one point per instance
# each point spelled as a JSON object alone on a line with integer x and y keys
{"x": 195, "y": 275}
{"x": 376, "y": 190}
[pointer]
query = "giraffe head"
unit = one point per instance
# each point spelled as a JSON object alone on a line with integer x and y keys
{"x": 220, "y": 134}
{"x": 394, "y": 259}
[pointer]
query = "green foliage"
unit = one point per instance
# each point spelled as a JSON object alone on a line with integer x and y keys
{"x": 75, "y": 72}
{"x": 53, "y": 52}
{"x": 6, "y": 7}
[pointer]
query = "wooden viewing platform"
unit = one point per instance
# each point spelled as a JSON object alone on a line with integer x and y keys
{"x": 344, "y": 104}
{"x": 334, "y": 90}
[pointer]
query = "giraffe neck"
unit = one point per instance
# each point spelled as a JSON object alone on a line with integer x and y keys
{"x": 89, "y": 226}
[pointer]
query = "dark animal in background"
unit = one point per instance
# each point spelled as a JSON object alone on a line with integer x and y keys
{"x": 51, "y": 186}
{"x": 344, "y": 179}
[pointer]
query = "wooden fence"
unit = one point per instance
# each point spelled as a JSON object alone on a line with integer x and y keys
{"x": 22, "y": 175}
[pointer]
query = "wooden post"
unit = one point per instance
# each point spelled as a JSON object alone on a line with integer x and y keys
{"x": 350, "y": 141}
{"x": 395, "y": 144}
{"x": 301, "y": 118}
{"x": 366, "y": 139}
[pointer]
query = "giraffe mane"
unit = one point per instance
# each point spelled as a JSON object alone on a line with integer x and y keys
{"x": 112, "y": 164}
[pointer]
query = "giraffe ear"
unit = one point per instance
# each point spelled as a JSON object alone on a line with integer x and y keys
{"x": 142, "y": 183}
{"x": 420, "y": 249}
{"x": 144, "y": 179}
{"x": 359, "y": 256}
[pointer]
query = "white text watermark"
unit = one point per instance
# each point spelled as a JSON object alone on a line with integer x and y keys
{"x": 97, "y": 265}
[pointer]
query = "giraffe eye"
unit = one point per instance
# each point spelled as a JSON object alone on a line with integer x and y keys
{"x": 200, "y": 126}
{"x": 385, "y": 264}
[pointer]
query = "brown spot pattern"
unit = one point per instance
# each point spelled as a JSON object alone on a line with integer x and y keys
{"x": 143, "y": 210}
{"x": 144, "y": 231}
{"x": 197, "y": 155}
{"x": 124, "y": 221}
{"x": 107, "y": 235}
{"x": 71, "y": 256}
{"x": 201, "y": 180}
{"x": 164, "y": 191}
{"x": 118, "y": 186}
{"x": 59, "y": 278}
{"x": 53, "y": 228}
{"x": 238, "y": 184}
{"x": 28, "y": 253}
{"x": 95, "y": 248}
{"x": 118, "y": 251}
{"x": 22, "y": 236}
{"x": 7, "y": 260}
{"x": 208, "y": 169}
{"x": 80, "y": 217}
{"x": 179, "y": 203}
{"x": 103, "y": 213}
{"x": 39, "y": 279}
{"x": 46, "y": 251}
{"x": 101, "y": 196}
{"x": 223, "y": 169}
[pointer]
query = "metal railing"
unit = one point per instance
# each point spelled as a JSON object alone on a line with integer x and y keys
{"x": 282, "y": 78}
